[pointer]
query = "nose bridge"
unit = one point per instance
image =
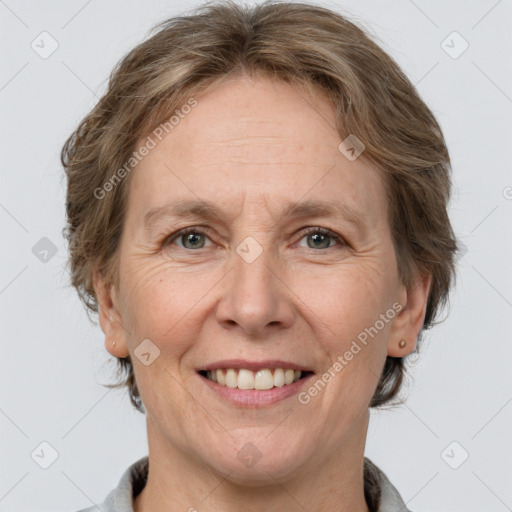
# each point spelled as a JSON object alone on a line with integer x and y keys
{"x": 253, "y": 281}
{"x": 254, "y": 296}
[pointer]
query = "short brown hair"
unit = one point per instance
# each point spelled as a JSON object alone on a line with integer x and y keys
{"x": 300, "y": 43}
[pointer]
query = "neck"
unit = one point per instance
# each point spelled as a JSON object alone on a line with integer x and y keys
{"x": 178, "y": 481}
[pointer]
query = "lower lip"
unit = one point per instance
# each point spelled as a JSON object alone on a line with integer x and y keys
{"x": 256, "y": 397}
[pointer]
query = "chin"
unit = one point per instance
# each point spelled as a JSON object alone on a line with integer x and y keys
{"x": 259, "y": 462}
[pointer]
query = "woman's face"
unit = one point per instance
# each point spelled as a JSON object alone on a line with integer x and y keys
{"x": 250, "y": 284}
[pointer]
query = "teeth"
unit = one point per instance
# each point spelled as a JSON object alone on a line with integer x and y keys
{"x": 231, "y": 379}
{"x": 263, "y": 379}
{"x": 247, "y": 379}
{"x": 278, "y": 377}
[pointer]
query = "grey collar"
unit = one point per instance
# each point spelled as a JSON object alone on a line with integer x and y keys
{"x": 133, "y": 480}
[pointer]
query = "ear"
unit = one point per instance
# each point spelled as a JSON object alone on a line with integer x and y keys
{"x": 408, "y": 322}
{"x": 110, "y": 317}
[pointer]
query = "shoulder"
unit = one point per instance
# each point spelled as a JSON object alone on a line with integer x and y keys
{"x": 107, "y": 505}
{"x": 380, "y": 491}
{"x": 120, "y": 499}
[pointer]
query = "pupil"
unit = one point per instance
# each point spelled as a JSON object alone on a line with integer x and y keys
{"x": 192, "y": 238}
{"x": 317, "y": 236}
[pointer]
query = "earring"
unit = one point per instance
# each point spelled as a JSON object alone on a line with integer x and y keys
{"x": 402, "y": 343}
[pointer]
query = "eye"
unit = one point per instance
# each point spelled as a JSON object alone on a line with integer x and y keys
{"x": 320, "y": 238}
{"x": 192, "y": 236}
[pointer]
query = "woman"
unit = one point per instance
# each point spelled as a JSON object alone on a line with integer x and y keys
{"x": 257, "y": 211}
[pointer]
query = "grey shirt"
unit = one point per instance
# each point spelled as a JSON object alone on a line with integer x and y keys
{"x": 133, "y": 480}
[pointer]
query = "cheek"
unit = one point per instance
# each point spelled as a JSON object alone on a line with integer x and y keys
{"x": 349, "y": 326}
{"x": 161, "y": 304}
{"x": 346, "y": 300}
{"x": 154, "y": 289}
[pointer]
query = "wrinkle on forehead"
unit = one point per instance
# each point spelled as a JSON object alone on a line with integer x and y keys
{"x": 253, "y": 143}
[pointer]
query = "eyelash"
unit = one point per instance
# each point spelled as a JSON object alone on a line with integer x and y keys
{"x": 205, "y": 231}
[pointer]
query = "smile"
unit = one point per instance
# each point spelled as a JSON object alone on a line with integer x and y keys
{"x": 263, "y": 379}
{"x": 246, "y": 383}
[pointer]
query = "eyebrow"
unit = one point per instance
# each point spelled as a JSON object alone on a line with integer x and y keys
{"x": 204, "y": 209}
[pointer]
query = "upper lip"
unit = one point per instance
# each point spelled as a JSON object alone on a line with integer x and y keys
{"x": 254, "y": 365}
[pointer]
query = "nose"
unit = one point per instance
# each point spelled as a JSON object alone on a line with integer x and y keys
{"x": 256, "y": 297}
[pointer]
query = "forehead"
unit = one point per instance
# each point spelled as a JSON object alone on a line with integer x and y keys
{"x": 255, "y": 136}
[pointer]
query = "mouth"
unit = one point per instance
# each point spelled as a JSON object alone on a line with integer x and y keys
{"x": 253, "y": 384}
{"x": 262, "y": 379}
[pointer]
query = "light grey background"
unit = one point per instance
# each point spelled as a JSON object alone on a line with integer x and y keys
{"x": 53, "y": 360}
